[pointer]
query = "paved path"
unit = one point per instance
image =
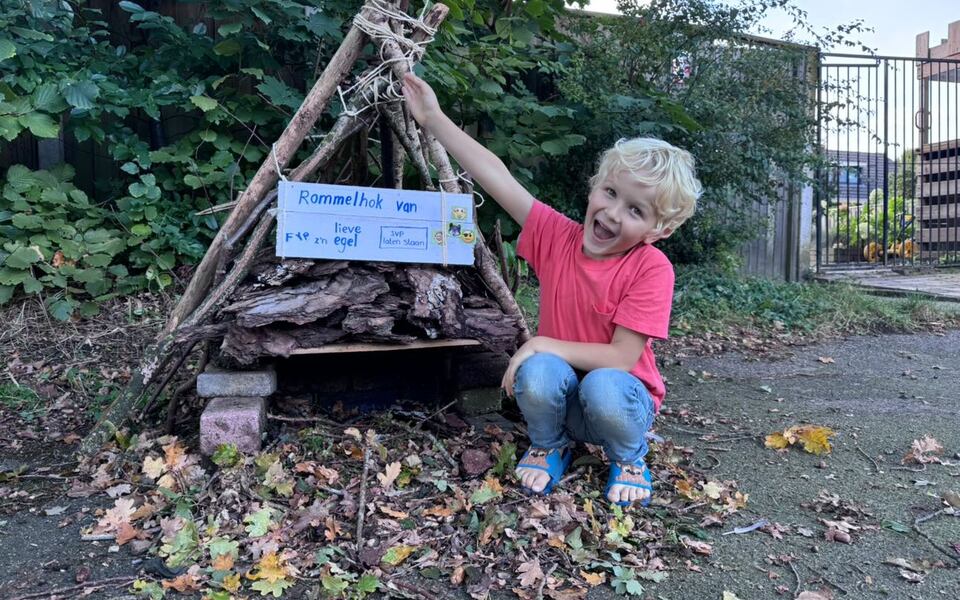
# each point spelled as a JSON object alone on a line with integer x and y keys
{"x": 938, "y": 284}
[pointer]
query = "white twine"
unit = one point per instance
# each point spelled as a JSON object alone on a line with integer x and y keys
{"x": 461, "y": 177}
{"x": 411, "y": 52}
{"x": 443, "y": 225}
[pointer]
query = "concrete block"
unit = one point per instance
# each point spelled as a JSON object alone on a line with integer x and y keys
{"x": 214, "y": 383}
{"x": 479, "y": 401}
{"x": 239, "y": 421}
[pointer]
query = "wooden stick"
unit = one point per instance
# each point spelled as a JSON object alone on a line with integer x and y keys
{"x": 158, "y": 355}
{"x": 411, "y": 144}
{"x": 362, "y": 508}
{"x": 86, "y": 586}
{"x": 266, "y": 177}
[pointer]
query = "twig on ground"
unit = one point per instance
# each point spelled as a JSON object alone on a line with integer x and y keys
{"x": 433, "y": 439}
{"x": 574, "y": 474}
{"x": 323, "y": 420}
{"x": 911, "y": 469}
{"x": 543, "y": 581}
{"x": 921, "y": 533}
{"x": 413, "y": 589}
{"x": 90, "y": 586}
{"x": 876, "y": 465}
{"x": 827, "y": 581}
{"x": 796, "y": 590}
{"x": 362, "y": 508}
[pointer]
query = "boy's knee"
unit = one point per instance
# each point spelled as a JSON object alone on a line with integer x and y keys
{"x": 602, "y": 393}
{"x": 541, "y": 378}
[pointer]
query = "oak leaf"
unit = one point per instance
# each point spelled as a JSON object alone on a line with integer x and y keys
{"x": 922, "y": 451}
{"x": 389, "y": 475}
{"x": 530, "y": 572}
{"x": 184, "y": 584}
{"x": 223, "y": 562}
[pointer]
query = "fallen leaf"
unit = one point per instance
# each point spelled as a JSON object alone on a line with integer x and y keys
{"x": 389, "y": 475}
{"x": 54, "y": 511}
{"x": 952, "y": 498}
{"x": 713, "y": 490}
{"x": 530, "y": 572}
{"x": 593, "y": 579}
{"x": 730, "y": 596}
{"x": 396, "y": 514}
{"x": 825, "y": 360}
{"x": 697, "y": 546}
{"x": 922, "y": 451}
{"x": 815, "y": 439}
{"x": 184, "y": 584}
{"x": 223, "y": 562}
{"x": 397, "y": 554}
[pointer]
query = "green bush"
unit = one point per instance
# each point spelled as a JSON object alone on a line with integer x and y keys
{"x": 57, "y": 243}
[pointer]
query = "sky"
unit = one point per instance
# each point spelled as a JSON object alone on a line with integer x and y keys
{"x": 896, "y": 23}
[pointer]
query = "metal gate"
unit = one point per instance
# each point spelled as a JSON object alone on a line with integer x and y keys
{"x": 889, "y": 131}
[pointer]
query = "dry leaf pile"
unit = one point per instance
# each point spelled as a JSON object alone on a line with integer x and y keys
{"x": 330, "y": 512}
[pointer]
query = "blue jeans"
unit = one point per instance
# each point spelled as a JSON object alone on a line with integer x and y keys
{"x": 609, "y": 407}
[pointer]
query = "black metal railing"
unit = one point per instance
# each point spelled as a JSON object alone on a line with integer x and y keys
{"x": 889, "y": 136}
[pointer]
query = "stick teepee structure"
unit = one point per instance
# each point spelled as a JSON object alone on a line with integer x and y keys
{"x": 332, "y": 299}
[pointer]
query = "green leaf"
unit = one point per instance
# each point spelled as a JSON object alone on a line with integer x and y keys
{"x": 130, "y": 167}
{"x": 23, "y": 257}
{"x": 280, "y": 93}
{"x": 6, "y": 292}
{"x": 32, "y": 286}
{"x": 81, "y": 95}
{"x": 40, "y": 124}
{"x": 13, "y": 277}
{"x": 31, "y": 222}
{"x": 204, "y": 103}
{"x": 226, "y": 455}
{"x": 131, "y": 7}
{"x": 98, "y": 260}
{"x": 485, "y": 493}
{"x": 368, "y": 584}
{"x": 7, "y": 49}
{"x": 227, "y": 47}
{"x": 230, "y": 29}
{"x": 259, "y": 522}
{"x": 220, "y": 546}
{"x": 48, "y": 99}
{"x": 141, "y": 230}
{"x": 267, "y": 588}
{"x": 137, "y": 190}
{"x": 62, "y": 309}
{"x": 261, "y": 15}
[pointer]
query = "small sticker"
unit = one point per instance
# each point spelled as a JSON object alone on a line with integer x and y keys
{"x": 453, "y": 229}
{"x": 438, "y": 237}
{"x": 459, "y": 213}
{"x": 468, "y": 236}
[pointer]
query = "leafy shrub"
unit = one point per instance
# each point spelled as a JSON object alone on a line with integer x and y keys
{"x": 57, "y": 241}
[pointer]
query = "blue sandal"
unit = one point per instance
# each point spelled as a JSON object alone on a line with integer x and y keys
{"x": 554, "y": 461}
{"x": 635, "y": 475}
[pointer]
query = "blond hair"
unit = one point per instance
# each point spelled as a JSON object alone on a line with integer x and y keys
{"x": 670, "y": 170}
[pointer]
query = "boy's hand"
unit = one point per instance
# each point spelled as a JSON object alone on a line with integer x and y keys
{"x": 524, "y": 352}
{"x": 421, "y": 100}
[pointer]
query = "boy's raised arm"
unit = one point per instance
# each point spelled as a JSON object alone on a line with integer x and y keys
{"x": 483, "y": 165}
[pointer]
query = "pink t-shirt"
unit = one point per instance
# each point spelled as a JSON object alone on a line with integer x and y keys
{"x": 584, "y": 299}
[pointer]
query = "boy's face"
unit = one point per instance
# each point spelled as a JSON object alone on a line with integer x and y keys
{"x": 620, "y": 215}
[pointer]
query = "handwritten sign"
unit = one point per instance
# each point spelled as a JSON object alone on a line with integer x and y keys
{"x": 360, "y": 223}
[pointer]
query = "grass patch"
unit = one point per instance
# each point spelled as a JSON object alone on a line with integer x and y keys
{"x": 710, "y": 300}
{"x": 20, "y": 399}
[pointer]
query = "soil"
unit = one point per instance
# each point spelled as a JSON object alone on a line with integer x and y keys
{"x": 878, "y": 393}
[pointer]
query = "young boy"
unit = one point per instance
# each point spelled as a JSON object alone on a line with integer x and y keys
{"x": 605, "y": 293}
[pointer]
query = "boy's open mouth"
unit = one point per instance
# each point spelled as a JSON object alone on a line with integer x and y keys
{"x": 601, "y": 232}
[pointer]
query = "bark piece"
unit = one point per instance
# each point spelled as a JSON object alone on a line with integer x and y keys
{"x": 308, "y": 302}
